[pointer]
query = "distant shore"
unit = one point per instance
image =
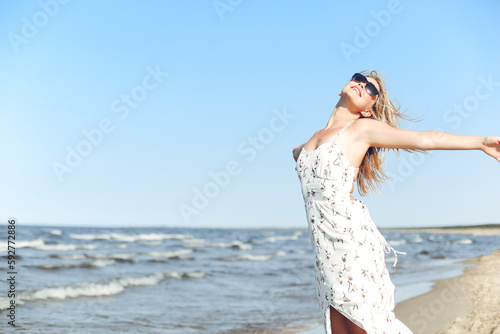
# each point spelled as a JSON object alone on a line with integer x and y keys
{"x": 464, "y": 229}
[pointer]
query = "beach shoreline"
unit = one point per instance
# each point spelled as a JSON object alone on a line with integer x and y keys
{"x": 484, "y": 229}
{"x": 466, "y": 303}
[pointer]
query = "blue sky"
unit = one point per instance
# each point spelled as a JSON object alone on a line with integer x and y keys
{"x": 184, "y": 113}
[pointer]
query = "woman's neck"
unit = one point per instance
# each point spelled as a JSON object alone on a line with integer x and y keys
{"x": 341, "y": 116}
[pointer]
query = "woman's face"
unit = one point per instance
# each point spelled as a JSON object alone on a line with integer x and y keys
{"x": 357, "y": 97}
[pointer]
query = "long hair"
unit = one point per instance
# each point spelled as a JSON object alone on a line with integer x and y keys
{"x": 371, "y": 174}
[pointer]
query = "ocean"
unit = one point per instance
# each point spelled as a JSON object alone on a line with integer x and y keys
{"x": 185, "y": 280}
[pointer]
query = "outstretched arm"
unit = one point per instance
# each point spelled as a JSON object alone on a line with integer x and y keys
{"x": 380, "y": 134}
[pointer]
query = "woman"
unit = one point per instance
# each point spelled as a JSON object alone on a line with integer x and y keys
{"x": 353, "y": 285}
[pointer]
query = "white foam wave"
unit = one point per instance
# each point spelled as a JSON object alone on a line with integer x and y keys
{"x": 64, "y": 247}
{"x": 397, "y": 242}
{"x": 40, "y": 244}
{"x": 416, "y": 239}
{"x": 5, "y": 303}
{"x": 124, "y": 256}
{"x": 90, "y": 236}
{"x": 235, "y": 244}
{"x": 294, "y": 236}
{"x": 56, "y": 232}
{"x": 107, "y": 288}
{"x": 171, "y": 254}
{"x": 116, "y": 256}
{"x": 250, "y": 257}
{"x": 131, "y": 237}
{"x": 464, "y": 241}
{"x": 23, "y": 244}
{"x": 96, "y": 263}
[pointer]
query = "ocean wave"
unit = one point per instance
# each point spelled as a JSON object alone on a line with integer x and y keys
{"x": 106, "y": 236}
{"x": 64, "y": 247}
{"x": 294, "y": 236}
{"x": 115, "y": 256}
{"x": 250, "y": 257}
{"x": 122, "y": 246}
{"x": 121, "y": 257}
{"x": 235, "y": 244}
{"x": 5, "y": 303}
{"x": 92, "y": 264}
{"x": 150, "y": 243}
{"x": 416, "y": 239}
{"x": 40, "y": 244}
{"x": 194, "y": 240}
{"x": 107, "y": 288}
{"x": 461, "y": 241}
{"x": 171, "y": 254}
{"x": 464, "y": 241}
{"x": 130, "y": 237}
{"x": 23, "y": 244}
{"x": 56, "y": 232}
{"x": 161, "y": 260}
{"x": 299, "y": 251}
{"x": 397, "y": 242}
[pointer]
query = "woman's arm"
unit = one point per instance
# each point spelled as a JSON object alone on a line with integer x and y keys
{"x": 296, "y": 151}
{"x": 379, "y": 134}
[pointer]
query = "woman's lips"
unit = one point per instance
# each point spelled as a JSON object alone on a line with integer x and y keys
{"x": 356, "y": 88}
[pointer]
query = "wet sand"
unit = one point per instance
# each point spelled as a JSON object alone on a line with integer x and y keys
{"x": 468, "y": 303}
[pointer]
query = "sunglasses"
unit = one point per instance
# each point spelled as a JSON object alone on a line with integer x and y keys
{"x": 370, "y": 88}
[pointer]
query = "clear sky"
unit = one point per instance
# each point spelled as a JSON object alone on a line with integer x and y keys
{"x": 184, "y": 113}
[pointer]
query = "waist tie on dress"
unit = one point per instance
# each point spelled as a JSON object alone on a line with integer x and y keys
{"x": 388, "y": 248}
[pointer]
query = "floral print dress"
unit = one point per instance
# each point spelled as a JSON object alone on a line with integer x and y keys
{"x": 350, "y": 269}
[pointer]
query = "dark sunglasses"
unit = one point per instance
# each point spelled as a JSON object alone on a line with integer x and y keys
{"x": 370, "y": 88}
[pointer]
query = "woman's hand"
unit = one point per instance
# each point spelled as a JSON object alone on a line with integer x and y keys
{"x": 296, "y": 151}
{"x": 491, "y": 146}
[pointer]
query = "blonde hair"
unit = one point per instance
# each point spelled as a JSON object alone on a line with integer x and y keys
{"x": 371, "y": 174}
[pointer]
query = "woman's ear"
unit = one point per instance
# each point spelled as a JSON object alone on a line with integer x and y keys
{"x": 366, "y": 113}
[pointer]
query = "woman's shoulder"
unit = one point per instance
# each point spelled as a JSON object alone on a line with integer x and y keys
{"x": 365, "y": 123}
{"x": 365, "y": 126}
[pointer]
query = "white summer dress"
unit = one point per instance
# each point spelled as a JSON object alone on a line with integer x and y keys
{"x": 351, "y": 274}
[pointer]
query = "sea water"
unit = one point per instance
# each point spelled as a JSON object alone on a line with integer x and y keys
{"x": 185, "y": 280}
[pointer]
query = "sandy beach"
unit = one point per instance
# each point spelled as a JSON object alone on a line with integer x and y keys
{"x": 467, "y": 303}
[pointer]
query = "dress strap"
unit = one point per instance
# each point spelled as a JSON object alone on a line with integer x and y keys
{"x": 338, "y": 134}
